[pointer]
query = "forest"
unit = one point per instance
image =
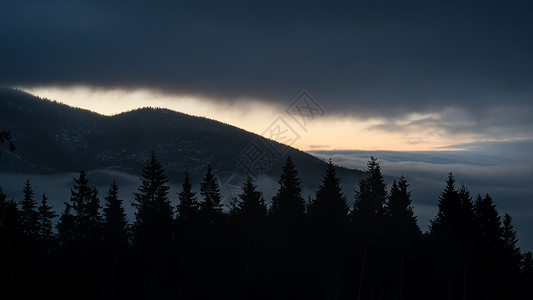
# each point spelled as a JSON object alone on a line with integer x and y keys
{"x": 293, "y": 248}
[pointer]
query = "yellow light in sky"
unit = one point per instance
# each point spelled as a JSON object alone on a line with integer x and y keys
{"x": 329, "y": 132}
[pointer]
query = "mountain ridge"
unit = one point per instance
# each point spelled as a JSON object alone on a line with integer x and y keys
{"x": 52, "y": 137}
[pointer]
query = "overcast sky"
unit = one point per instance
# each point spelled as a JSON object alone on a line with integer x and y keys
{"x": 419, "y": 73}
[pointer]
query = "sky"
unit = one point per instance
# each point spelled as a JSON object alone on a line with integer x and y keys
{"x": 389, "y": 75}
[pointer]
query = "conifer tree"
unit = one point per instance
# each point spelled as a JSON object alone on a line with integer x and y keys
{"x": 154, "y": 215}
{"x": 288, "y": 205}
{"x": 369, "y": 205}
{"x": 368, "y": 219}
{"x": 66, "y": 228}
{"x": 115, "y": 231}
{"x": 85, "y": 206}
{"x": 400, "y": 210}
{"x": 10, "y": 236}
{"x": 188, "y": 206}
{"x": 510, "y": 239}
{"x": 9, "y": 221}
{"x": 250, "y": 207}
{"x": 526, "y": 271}
{"x": 490, "y": 253}
{"x": 115, "y": 226}
{"x": 404, "y": 235}
{"x": 28, "y": 213}
{"x": 329, "y": 209}
{"x": 210, "y": 208}
{"x": 447, "y": 239}
{"x": 447, "y": 221}
{"x": 46, "y": 214}
{"x": 466, "y": 215}
{"x": 488, "y": 221}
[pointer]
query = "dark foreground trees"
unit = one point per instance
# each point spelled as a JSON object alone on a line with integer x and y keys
{"x": 291, "y": 249}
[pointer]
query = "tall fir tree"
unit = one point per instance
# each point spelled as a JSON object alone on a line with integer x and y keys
{"x": 448, "y": 219}
{"x": 188, "y": 206}
{"x": 46, "y": 215}
{"x": 490, "y": 253}
{"x": 400, "y": 210}
{"x": 369, "y": 205}
{"x": 115, "y": 225}
{"x": 368, "y": 220}
{"x": 28, "y": 213}
{"x": 115, "y": 234}
{"x": 447, "y": 240}
{"x": 250, "y": 207}
{"x": 9, "y": 221}
{"x": 488, "y": 221}
{"x": 85, "y": 206}
{"x": 329, "y": 208}
{"x": 154, "y": 215}
{"x": 66, "y": 228}
{"x": 210, "y": 208}
{"x": 10, "y": 249}
{"x": 526, "y": 272}
{"x": 511, "y": 251}
{"x": 288, "y": 205}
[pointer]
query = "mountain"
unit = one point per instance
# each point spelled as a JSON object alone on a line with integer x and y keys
{"x": 53, "y": 138}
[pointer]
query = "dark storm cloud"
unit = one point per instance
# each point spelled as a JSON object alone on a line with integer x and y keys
{"x": 368, "y": 58}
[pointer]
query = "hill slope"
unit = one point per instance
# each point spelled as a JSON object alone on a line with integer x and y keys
{"x": 51, "y": 137}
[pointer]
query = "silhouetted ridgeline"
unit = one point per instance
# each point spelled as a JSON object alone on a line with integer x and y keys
{"x": 292, "y": 249}
{"x": 54, "y": 138}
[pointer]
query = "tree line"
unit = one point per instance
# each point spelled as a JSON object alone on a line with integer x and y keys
{"x": 291, "y": 249}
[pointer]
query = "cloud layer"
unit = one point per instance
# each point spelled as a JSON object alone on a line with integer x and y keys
{"x": 364, "y": 58}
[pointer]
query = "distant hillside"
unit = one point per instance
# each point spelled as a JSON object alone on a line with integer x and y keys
{"x": 51, "y": 137}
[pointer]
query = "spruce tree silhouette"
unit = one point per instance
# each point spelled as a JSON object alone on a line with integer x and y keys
{"x": 28, "y": 214}
{"x": 447, "y": 238}
{"x": 526, "y": 273}
{"x": 250, "y": 207}
{"x": 212, "y": 225}
{"x": 80, "y": 234}
{"x": 328, "y": 214}
{"x": 510, "y": 239}
{"x": 153, "y": 226}
{"x": 404, "y": 238}
{"x": 188, "y": 206}
{"x": 115, "y": 225}
{"x": 329, "y": 209}
{"x": 287, "y": 214}
{"x": 10, "y": 235}
{"x": 490, "y": 255}
{"x": 187, "y": 225}
{"x": 47, "y": 240}
{"x": 447, "y": 221}
{"x": 115, "y": 234}
{"x": 288, "y": 205}
{"x": 210, "y": 208}
{"x": 153, "y": 218}
{"x": 369, "y": 205}
{"x": 247, "y": 220}
{"x": 368, "y": 217}
{"x": 86, "y": 211}
{"x": 511, "y": 258}
{"x": 400, "y": 210}
{"x": 46, "y": 215}
{"x": 467, "y": 241}
{"x": 66, "y": 229}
